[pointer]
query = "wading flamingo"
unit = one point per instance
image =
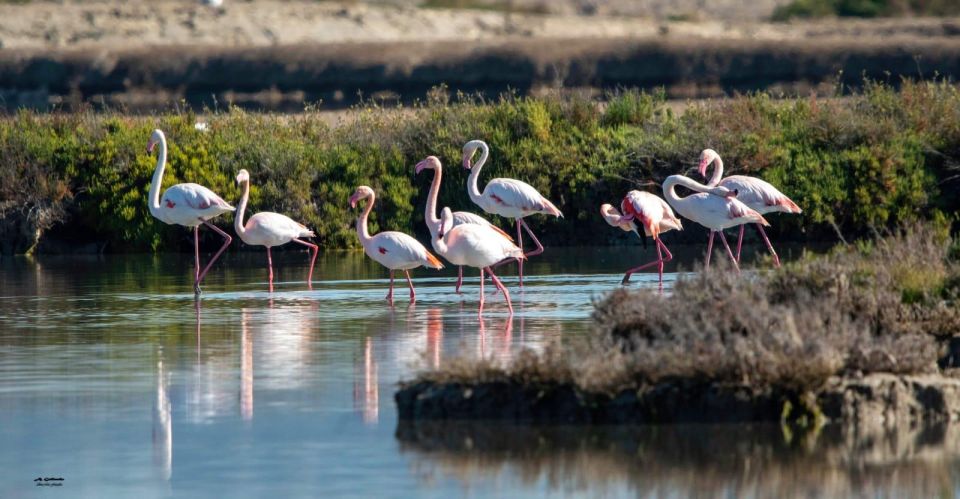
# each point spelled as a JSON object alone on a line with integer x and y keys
{"x": 656, "y": 217}
{"x": 475, "y": 246}
{"x": 506, "y": 197}
{"x": 270, "y": 229}
{"x": 715, "y": 208}
{"x": 393, "y": 250}
{"x": 753, "y": 192}
{"x": 190, "y": 205}
{"x": 459, "y": 217}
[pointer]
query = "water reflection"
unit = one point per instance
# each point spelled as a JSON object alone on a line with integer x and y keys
{"x": 366, "y": 386}
{"x": 723, "y": 460}
{"x": 162, "y": 434}
{"x": 246, "y": 368}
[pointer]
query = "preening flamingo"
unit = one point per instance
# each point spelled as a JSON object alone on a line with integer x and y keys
{"x": 459, "y": 217}
{"x": 393, "y": 250}
{"x": 270, "y": 229}
{"x": 190, "y": 205}
{"x": 475, "y": 246}
{"x": 753, "y": 192}
{"x": 656, "y": 217}
{"x": 715, "y": 208}
{"x": 506, "y": 197}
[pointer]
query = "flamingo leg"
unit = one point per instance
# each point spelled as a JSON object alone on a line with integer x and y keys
{"x": 480, "y": 312}
{"x": 506, "y": 294}
{"x": 519, "y": 260}
{"x": 196, "y": 260}
{"x": 729, "y": 252}
{"x": 740, "y": 242}
{"x": 270, "y": 266}
{"x": 460, "y": 278}
{"x": 313, "y": 260}
{"x": 390, "y": 293}
{"x": 626, "y": 277}
{"x": 776, "y": 259}
{"x": 413, "y": 294}
{"x": 226, "y": 242}
{"x": 709, "y": 249}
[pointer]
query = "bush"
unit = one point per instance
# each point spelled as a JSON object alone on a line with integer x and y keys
{"x": 865, "y": 8}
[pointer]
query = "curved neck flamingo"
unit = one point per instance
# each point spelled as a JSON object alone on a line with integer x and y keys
{"x": 238, "y": 219}
{"x": 362, "y": 219}
{"x": 157, "y": 175}
{"x": 717, "y": 173}
{"x": 475, "y": 195}
{"x": 670, "y": 185}
{"x": 430, "y": 215}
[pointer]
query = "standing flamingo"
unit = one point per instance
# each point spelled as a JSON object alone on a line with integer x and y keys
{"x": 753, "y": 192}
{"x": 654, "y": 215}
{"x": 476, "y": 246}
{"x": 506, "y": 197}
{"x": 189, "y": 205}
{"x": 459, "y": 217}
{"x": 270, "y": 229}
{"x": 715, "y": 208}
{"x": 393, "y": 250}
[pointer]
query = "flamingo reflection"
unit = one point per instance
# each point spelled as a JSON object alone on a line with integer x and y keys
{"x": 434, "y": 336}
{"x": 246, "y": 368}
{"x": 162, "y": 424}
{"x": 366, "y": 395}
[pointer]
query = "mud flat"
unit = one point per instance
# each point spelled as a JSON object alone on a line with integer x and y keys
{"x": 285, "y": 77}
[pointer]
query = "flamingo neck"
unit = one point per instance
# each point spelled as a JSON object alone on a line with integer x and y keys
{"x": 717, "y": 173}
{"x": 670, "y": 184}
{"x": 362, "y": 221}
{"x": 472, "y": 188}
{"x": 238, "y": 220}
{"x": 433, "y": 222}
{"x": 158, "y": 177}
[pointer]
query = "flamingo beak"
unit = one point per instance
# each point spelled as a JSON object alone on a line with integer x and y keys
{"x": 703, "y": 167}
{"x": 420, "y": 166}
{"x": 732, "y": 194}
{"x": 466, "y": 159}
{"x": 353, "y": 200}
{"x": 150, "y": 146}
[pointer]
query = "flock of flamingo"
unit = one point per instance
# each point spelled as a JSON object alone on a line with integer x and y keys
{"x": 468, "y": 239}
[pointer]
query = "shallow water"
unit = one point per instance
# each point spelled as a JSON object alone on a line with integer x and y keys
{"x": 115, "y": 379}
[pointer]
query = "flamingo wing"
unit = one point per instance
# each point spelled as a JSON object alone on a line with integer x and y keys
{"x": 396, "y": 250}
{"x": 479, "y": 246}
{"x": 198, "y": 197}
{"x": 759, "y": 194}
{"x": 653, "y": 212}
{"x": 517, "y": 198}
{"x": 465, "y": 217}
{"x": 273, "y": 229}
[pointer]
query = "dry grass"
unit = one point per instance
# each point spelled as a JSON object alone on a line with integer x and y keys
{"x": 880, "y": 306}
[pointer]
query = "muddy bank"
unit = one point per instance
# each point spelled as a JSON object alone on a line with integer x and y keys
{"x": 877, "y": 398}
{"x": 283, "y": 78}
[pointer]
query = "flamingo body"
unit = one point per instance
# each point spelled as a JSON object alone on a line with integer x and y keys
{"x": 654, "y": 215}
{"x": 190, "y": 205}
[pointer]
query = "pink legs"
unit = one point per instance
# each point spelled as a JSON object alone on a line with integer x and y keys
{"x": 313, "y": 260}
{"x": 499, "y": 285}
{"x": 535, "y": 252}
{"x": 776, "y": 259}
{"x": 270, "y": 266}
{"x": 390, "y": 294}
{"x": 196, "y": 248}
{"x": 413, "y": 294}
{"x": 659, "y": 262}
{"x": 725, "y": 244}
{"x": 460, "y": 278}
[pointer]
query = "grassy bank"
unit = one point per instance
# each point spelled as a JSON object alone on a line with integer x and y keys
{"x": 884, "y": 306}
{"x": 865, "y": 8}
{"x": 873, "y": 160}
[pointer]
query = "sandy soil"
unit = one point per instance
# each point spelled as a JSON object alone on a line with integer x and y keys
{"x": 113, "y": 25}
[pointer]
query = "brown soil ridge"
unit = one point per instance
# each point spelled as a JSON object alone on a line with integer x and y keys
{"x": 147, "y": 78}
{"x": 883, "y": 399}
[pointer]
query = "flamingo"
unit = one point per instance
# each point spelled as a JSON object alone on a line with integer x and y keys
{"x": 656, "y": 217}
{"x": 475, "y": 246}
{"x": 715, "y": 208}
{"x": 459, "y": 217}
{"x": 753, "y": 192}
{"x": 190, "y": 205}
{"x": 270, "y": 229}
{"x": 506, "y": 197}
{"x": 394, "y": 250}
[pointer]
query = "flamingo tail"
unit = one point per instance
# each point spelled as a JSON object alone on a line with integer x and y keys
{"x": 433, "y": 261}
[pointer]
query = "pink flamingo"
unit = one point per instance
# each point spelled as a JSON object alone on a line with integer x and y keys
{"x": 270, "y": 229}
{"x": 506, "y": 197}
{"x": 656, "y": 217}
{"x": 753, "y": 192}
{"x": 715, "y": 208}
{"x": 190, "y": 205}
{"x": 393, "y": 250}
{"x": 475, "y": 246}
{"x": 459, "y": 217}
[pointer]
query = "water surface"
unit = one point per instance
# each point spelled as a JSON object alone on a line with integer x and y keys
{"x": 115, "y": 379}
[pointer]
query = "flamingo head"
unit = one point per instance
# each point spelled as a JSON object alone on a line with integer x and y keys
{"x": 724, "y": 192}
{"x": 613, "y": 218}
{"x": 155, "y": 138}
{"x": 243, "y": 176}
{"x": 446, "y": 222}
{"x": 362, "y": 192}
{"x": 469, "y": 149}
{"x": 431, "y": 162}
{"x": 706, "y": 157}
